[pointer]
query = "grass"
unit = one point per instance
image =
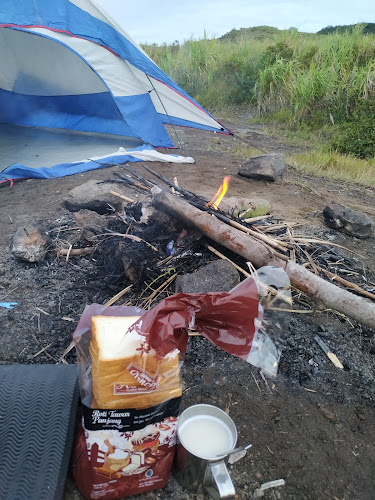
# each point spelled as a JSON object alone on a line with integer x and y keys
{"x": 306, "y": 86}
{"x": 244, "y": 151}
{"x": 335, "y": 166}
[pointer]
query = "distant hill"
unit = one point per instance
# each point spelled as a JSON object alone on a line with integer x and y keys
{"x": 269, "y": 32}
{"x": 368, "y": 28}
{"x": 257, "y": 32}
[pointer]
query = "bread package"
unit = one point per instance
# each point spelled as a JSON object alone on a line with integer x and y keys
{"x": 130, "y": 383}
{"x": 126, "y": 373}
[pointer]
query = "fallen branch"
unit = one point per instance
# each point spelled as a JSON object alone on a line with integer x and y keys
{"x": 118, "y": 296}
{"x": 324, "y": 293}
{"x": 62, "y": 252}
{"x": 122, "y": 197}
{"x": 347, "y": 284}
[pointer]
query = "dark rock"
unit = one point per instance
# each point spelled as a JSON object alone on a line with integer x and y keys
{"x": 29, "y": 244}
{"x": 348, "y": 221}
{"x": 90, "y": 223}
{"x": 218, "y": 276}
{"x": 268, "y": 167}
{"x": 96, "y": 197}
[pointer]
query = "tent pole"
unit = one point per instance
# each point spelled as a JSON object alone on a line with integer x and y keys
{"x": 166, "y": 112}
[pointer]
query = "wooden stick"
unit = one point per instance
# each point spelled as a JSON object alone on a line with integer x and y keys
{"x": 118, "y": 296}
{"x": 280, "y": 245}
{"x": 183, "y": 192}
{"x": 74, "y": 251}
{"x": 259, "y": 217}
{"x": 157, "y": 292}
{"x": 122, "y": 197}
{"x": 330, "y": 355}
{"x": 219, "y": 254}
{"x": 42, "y": 350}
{"x": 324, "y": 293}
{"x": 347, "y": 283}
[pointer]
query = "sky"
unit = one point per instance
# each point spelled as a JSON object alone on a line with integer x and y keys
{"x": 164, "y": 21}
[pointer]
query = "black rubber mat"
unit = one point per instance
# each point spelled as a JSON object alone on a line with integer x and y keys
{"x": 38, "y": 405}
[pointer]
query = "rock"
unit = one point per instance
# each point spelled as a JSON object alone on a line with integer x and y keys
{"x": 268, "y": 167}
{"x": 218, "y": 276}
{"x": 29, "y": 244}
{"x": 245, "y": 207}
{"x": 348, "y": 221}
{"x": 90, "y": 223}
{"x": 95, "y": 197}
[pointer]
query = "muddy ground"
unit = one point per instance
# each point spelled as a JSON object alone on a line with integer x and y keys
{"x": 313, "y": 425}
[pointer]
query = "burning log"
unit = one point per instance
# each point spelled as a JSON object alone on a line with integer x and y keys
{"x": 325, "y": 294}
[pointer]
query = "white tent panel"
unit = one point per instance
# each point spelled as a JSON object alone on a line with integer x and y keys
{"x": 40, "y": 66}
{"x": 98, "y": 12}
{"x": 173, "y": 104}
{"x": 111, "y": 68}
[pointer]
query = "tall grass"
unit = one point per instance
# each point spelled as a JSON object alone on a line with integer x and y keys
{"x": 310, "y": 79}
{"x": 218, "y": 74}
{"x": 322, "y": 78}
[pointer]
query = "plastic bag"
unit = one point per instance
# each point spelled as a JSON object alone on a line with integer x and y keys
{"x": 131, "y": 390}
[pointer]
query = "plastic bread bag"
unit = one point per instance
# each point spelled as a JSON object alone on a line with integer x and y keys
{"x": 129, "y": 373}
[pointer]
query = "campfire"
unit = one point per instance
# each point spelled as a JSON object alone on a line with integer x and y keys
{"x": 170, "y": 231}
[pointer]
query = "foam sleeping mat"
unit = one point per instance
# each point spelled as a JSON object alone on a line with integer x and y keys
{"x": 38, "y": 405}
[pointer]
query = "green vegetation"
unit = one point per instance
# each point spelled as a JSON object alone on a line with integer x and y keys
{"x": 335, "y": 166}
{"x": 305, "y": 82}
{"x": 357, "y": 136}
{"x": 367, "y": 28}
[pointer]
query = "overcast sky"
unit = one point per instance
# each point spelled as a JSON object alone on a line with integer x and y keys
{"x": 164, "y": 21}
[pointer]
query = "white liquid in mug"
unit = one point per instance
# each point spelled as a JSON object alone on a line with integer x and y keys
{"x": 206, "y": 436}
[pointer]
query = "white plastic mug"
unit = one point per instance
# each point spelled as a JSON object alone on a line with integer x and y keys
{"x": 205, "y": 437}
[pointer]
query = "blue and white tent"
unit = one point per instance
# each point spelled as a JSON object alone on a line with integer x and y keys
{"x": 65, "y": 65}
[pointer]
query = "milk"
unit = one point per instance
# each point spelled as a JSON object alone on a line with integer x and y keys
{"x": 206, "y": 436}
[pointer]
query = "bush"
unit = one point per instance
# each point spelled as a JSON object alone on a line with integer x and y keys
{"x": 357, "y": 135}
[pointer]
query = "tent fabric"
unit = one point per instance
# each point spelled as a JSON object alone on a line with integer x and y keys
{"x": 71, "y": 52}
{"x": 141, "y": 153}
{"x": 67, "y": 66}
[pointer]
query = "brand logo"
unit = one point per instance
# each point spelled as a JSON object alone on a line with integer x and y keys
{"x": 147, "y": 382}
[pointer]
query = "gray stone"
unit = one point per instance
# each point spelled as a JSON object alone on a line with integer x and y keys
{"x": 218, "y": 276}
{"x": 245, "y": 207}
{"x": 96, "y": 197}
{"x": 267, "y": 167}
{"x": 348, "y": 221}
{"x": 91, "y": 223}
{"x": 29, "y": 244}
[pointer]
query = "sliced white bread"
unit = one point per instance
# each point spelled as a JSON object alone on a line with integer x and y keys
{"x": 123, "y": 375}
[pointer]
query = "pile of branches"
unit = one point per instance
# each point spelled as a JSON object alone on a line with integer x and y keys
{"x": 315, "y": 267}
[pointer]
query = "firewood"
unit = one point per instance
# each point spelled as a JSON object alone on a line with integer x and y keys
{"x": 122, "y": 197}
{"x": 63, "y": 252}
{"x": 324, "y": 293}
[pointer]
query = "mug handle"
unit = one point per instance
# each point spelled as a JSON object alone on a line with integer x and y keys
{"x": 217, "y": 481}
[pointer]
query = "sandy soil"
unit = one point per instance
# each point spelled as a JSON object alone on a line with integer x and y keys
{"x": 312, "y": 426}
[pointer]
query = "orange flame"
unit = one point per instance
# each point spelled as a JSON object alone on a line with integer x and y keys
{"x": 215, "y": 201}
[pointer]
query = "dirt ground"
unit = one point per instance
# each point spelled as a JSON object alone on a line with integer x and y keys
{"x": 313, "y": 425}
